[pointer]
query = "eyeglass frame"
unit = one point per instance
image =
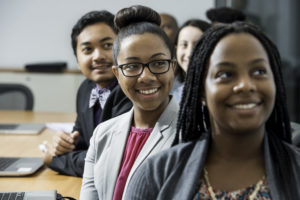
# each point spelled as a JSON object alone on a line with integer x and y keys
{"x": 147, "y": 65}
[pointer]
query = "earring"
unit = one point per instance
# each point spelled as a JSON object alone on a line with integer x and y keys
{"x": 203, "y": 115}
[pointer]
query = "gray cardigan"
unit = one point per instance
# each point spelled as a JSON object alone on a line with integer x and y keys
{"x": 173, "y": 174}
{"x": 104, "y": 156}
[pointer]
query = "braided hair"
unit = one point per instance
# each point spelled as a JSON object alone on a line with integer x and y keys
{"x": 193, "y": 118}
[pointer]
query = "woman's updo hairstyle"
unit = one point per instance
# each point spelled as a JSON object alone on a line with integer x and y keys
{"x": 137, "y": 20}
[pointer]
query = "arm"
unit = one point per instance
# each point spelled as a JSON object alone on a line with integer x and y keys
{"x": 72, "y": 163}
{"x": 141, "y": 186}
{"x": 88, "y": 189}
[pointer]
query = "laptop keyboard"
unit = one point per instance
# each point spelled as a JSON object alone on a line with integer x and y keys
{"x": 12, "y": 195}
{"x": 8, "y": 126}
{"x": 6, "y": 162}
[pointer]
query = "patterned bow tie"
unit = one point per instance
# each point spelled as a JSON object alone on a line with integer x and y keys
{"x": 100, "y": 95}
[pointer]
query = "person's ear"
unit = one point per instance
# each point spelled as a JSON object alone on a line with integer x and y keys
{"x": 174, "y": 64}
{"x": 115, "y": 71}
{"x": 203, "y": 99}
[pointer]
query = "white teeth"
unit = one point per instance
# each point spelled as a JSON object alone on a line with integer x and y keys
{"x": 151, "y": 91}
{"x": 245, "y": 106}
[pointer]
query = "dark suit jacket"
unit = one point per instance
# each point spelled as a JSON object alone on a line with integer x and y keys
{"x": 117, "y": 103}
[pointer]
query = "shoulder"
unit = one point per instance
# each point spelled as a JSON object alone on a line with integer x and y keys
{"x": 159, "y": 170}
{"x": 294, "y": 152}
{"x": 167, "y": 160}
{"x": 172, "y": 109}
{"x": 115, "y": 123}
{"x": 86, "y": 85}
{"x": 117, "y": 94}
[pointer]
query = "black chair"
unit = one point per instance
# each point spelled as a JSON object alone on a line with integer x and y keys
{"x": 15, "y": 97}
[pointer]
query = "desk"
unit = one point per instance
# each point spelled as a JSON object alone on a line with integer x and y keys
{"x": 18, "y": 145}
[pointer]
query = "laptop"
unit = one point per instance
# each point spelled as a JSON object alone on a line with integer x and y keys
{"x": 19, "y": 166}
{"x": 21, "y": 128}
{"x": 29, "y": 195}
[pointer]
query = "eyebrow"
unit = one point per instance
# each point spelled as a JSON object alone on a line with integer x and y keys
{"x": 258, "y": 60}
{"x": 100, "y": 41}
{"x": 230, "y": 64}
{"x": 157, "y": 54}
{"x": 224, "y": 64}
{"x": 153, "y": 56}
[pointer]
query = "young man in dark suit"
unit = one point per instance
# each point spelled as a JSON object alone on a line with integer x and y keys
{"x": 99, "y": 97}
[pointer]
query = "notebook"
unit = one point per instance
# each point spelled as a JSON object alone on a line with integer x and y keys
{"x": 29, "y": 195}
{"x": 21, "y": 128}
{"x": 19, "y": 166}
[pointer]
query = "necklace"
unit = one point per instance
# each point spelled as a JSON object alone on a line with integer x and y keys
{"x": 213, "y": 195}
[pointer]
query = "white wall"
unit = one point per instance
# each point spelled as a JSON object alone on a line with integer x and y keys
{"x": 39, "y": 30}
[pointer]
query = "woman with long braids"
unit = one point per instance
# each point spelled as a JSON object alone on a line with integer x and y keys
{"x": 233, "y": 123}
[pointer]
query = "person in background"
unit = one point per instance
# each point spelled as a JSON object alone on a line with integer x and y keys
{"x": 169, "y": 25}
{"x": 144, "y": 66}
{"x": 188, "y": 35}
{"x": 225, "y": 15}
{"x": 234, "y": 124}
{"x": 99, "y": 97}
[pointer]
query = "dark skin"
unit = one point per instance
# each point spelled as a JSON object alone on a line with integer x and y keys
{"x": 240, "y": 88}
{"x": 226, "y": 164}
{"x": 148, "y": 92}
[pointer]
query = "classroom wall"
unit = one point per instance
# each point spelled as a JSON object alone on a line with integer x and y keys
{"x": 39, "y": 30}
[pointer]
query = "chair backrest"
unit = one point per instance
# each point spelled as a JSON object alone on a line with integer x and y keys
{"x": 15, "y": 97}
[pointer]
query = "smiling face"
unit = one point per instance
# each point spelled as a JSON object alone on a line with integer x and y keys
{"x": 94, "y": 53}
{"x": 148, "y": 92}
{"x": 239, "y": 86}
{"x": 187, "y": 39}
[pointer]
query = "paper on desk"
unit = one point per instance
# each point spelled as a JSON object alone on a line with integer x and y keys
{"x": 58, "y": 126}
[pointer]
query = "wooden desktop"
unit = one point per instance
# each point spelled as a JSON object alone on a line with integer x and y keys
{"x": 28, "y": 146}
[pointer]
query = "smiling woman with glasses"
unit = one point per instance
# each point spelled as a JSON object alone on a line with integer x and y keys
{"x": 136, "y": 69}
{"x": 144, "y": 67}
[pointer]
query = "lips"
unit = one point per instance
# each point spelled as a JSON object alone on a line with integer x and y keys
{"x": 148, "y": 91}
{"x": 245, "y": 105}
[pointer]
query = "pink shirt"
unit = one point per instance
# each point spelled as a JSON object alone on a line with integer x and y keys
{"x": 135, "y": 142}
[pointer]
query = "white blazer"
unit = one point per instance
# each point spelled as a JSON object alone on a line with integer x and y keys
{"x": 104, "y": 156}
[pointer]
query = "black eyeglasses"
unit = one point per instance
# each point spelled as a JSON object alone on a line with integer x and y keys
{"x": 136, "y": 69}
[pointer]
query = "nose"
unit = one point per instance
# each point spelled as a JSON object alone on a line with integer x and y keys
{"x": 189, "y": 51}
{"x": 147, "y": 76}
{"x": 98, "y": 55}
{"x": 244, "y": 84}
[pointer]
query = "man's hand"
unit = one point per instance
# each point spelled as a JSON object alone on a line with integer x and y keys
{"x": 48, "y": 152}
{"x": 64, "y": 142}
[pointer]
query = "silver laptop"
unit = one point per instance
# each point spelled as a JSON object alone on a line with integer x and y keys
{"x": 17, "y": 166}
{"x": 21, "y": 128}
{"x": 29, "y": 195}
